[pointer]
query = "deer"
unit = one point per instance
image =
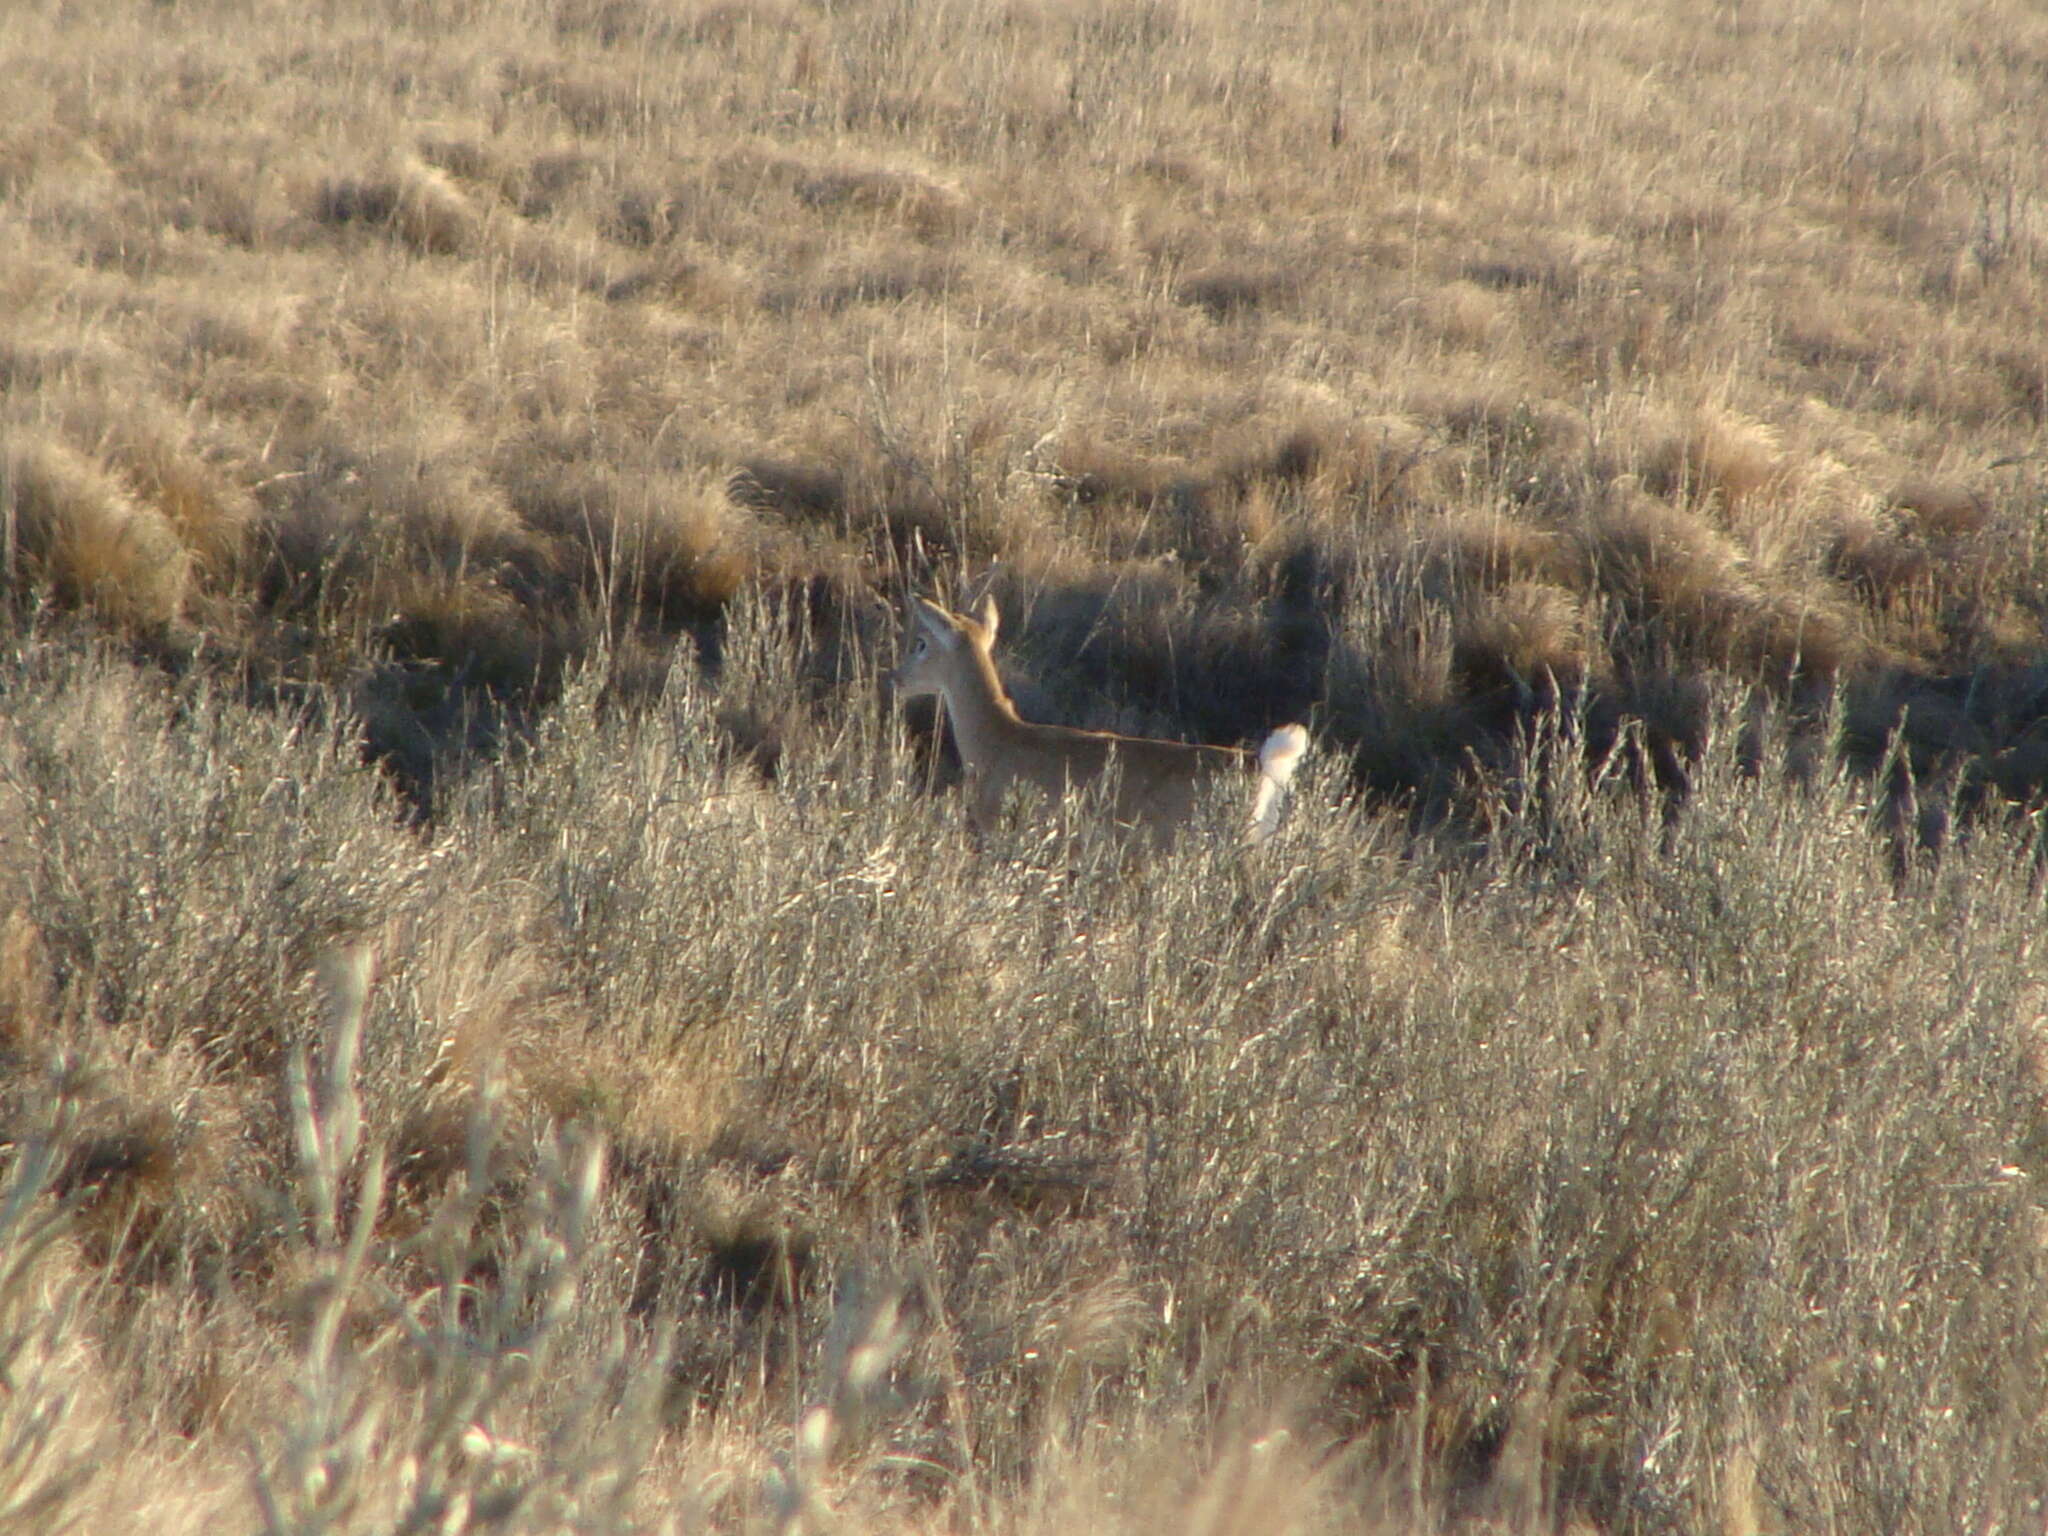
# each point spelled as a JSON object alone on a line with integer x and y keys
{"x": 1158, "y": 784}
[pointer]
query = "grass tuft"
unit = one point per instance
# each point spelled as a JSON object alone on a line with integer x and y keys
{"x": 72, "y": 526}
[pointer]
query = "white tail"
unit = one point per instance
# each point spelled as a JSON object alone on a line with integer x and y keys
{"x": 1279, "y": 756}
{"x": 1158, "y": 783}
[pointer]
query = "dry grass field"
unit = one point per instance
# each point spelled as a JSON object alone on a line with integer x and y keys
{"x": 504, "y": 1027}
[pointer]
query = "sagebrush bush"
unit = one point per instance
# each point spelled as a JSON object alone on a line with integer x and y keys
{"x": 1573, "y": 1171}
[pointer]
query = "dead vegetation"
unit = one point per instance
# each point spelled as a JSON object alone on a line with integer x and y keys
{"x": 1615, "y": 1104}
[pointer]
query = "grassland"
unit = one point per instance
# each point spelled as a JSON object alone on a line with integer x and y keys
{"x": 502, "y": 1026}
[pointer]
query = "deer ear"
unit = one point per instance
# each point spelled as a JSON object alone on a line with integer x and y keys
{"x": 933, "y": 619}
{"x": 985, "y": 614}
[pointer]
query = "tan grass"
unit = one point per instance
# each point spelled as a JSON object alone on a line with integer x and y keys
{"x": 75, "y": 527}
{"x": 1716, "y": 459}
{"x": 414, "y": 202}
{"x": 1617, "y": 432}
{"x": 1528, "y": 636}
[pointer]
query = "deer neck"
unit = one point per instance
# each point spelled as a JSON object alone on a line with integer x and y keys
{"x": 983, "y": 716}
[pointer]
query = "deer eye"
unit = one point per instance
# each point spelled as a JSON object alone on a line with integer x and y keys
{"x": 919, "y": 648}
